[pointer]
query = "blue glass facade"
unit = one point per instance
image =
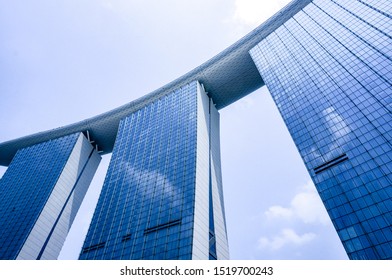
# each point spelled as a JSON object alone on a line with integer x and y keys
{"x": 329, "y": 70}
{"x": 155, "y": 199}
{"x": 328, "y": 66}
{"x": 40, "y": 194}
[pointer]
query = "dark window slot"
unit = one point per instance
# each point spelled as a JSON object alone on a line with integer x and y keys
{"x": 330, "y": 163}
{"x": 162, "y": 226}
{"x": 126, "y": 237}
{"x": 93, "y": 247}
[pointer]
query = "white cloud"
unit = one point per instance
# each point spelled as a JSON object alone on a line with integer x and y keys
{"x": 286, "y": 237}
{"x": 305, "y": 206}
{"x": 254, "y": 12}
{"x": 279, "y": 211}
{"x": 142, "y": 181}
{"x": 305, "y": 213}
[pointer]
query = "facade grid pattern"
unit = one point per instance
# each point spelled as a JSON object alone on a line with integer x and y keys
{"x": 328, "y": 67}
{"x": 147, "y": 206}
{"x": 26, "y": 187}
{"x": 329, "y": 71}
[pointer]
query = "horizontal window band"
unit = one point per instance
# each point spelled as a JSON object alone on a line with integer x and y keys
{"x": 330, "y": 163}
{"x": 93, "y": 247}
{"x": 162, "y": 226}
{"x": 126, "y": 237}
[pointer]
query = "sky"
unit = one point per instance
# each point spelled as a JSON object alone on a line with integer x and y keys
{"x": 65, "y": 61}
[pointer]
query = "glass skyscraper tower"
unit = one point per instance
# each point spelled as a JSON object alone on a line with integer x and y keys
{"x": 162, "y": 196}
{"x": 40, "y": 194}
{"x": 329, "y": 71}
{"x": 328, "y": 67}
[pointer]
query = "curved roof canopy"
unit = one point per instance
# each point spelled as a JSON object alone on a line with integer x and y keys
{"x": 227, "y": 77}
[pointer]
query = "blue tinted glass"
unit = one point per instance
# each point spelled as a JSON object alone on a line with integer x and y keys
{"x": 26, "y": 187}
{"x": 329, "y": 71}
{"x": 149, "y": 191}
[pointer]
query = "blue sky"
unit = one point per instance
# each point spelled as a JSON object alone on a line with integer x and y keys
{"x": 64, "y": 61}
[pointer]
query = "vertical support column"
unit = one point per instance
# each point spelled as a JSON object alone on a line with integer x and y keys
{"x": 201, "y": 229}
{"x": 221, "y": 240}
{"x": 40, "y": 194}
{"x": 210, "y": 225}
{"x": 329, "y": 71}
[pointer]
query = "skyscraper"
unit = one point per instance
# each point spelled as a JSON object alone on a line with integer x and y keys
{"x": 328, "y": 67}
{"x": 40, "y": 195}
{"x": 329, "y": 71}
{"x": 162, "y": 196}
